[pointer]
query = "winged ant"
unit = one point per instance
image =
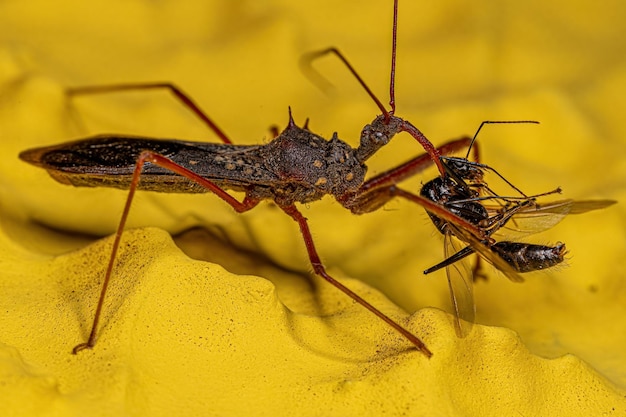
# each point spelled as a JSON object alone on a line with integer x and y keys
{"x": 464, "y": 192}
{"x": 297, "y": 166}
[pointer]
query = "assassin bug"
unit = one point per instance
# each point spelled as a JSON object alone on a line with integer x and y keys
{"x": 296, "y": 167}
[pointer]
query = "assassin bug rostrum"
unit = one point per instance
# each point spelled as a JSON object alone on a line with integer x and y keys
{"x": 321, "y": 167}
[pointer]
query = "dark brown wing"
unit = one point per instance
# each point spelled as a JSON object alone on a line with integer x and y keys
{"x": 109, "y": 161}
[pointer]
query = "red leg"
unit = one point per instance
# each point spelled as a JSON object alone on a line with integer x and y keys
{"x": 388, "y": 117}
{"x": 414, "y": 166}
{"x": 148, "y": 156}
{"x": 319, "y": 269}
{"x": 177, "y": 92}
{"x": 378, "y": 190}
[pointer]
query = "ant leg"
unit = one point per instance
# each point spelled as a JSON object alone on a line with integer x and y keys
{"x": 466, "y": 251}
{"x": 179, "y": 94}
{"x": 319, "y": 269}
{"x": 154, "y": 158}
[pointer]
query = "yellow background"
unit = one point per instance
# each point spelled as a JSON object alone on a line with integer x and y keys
{"x": 189, "y": 338}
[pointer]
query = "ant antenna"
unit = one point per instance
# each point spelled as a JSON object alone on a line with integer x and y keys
{"x": 493, "y": 122}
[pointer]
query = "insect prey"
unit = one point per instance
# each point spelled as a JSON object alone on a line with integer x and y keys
{"x": 464, "y": 192}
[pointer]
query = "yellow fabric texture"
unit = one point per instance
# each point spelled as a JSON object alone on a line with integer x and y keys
{"x": 243, "y": 329}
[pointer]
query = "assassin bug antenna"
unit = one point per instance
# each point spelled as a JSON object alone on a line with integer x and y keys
{"x": 394, "y": 52}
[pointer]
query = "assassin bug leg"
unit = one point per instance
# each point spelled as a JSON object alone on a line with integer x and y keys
{"x": 179, "y": 94}
{"x": 321, "y": 271}
{"x": 151, "y": 157}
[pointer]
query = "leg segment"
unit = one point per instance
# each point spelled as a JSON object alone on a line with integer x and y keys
{"x": 177, "y": 92}
{"x": 378, "y": 190}
{"x": 413, "y": 166}
{"x": 154, "y": 158}
{"x": 390, "y": 124}
{"x": 319, "y": 269}
{"x": 317, "y": 78}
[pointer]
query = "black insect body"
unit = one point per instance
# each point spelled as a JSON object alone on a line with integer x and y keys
{"x": 457, "y": 198}
{"x": 526, "y": 257}
{"x": 463, "y": 191}
{"x": 463, "y": 201}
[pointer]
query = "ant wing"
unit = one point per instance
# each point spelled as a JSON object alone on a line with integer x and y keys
{"x": 460, "y": 283}
{"x": 539, "y": 217}
{"x": 485, "y": 252}
{"x": 533, "y": 219}
{"x": 578, "y": 206}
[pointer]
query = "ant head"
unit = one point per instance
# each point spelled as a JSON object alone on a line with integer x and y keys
{"x": 462, "y": 169}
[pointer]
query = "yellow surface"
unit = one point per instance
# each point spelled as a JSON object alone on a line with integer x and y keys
{"x": 185, "y": 337}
